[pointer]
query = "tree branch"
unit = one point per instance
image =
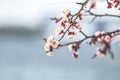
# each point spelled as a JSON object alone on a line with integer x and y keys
{"x": 101, "y": 15}
{"x": 116, "y": 32}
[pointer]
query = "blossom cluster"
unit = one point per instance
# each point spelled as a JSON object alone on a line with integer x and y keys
{"x": 51, "y": 43}
{"x": 114, "y": 3}
{"x": 68, "y": 25}
{"x": 65, "y": 22}
{"x": 74, "y": 47}
{"x": 104, "y": 40}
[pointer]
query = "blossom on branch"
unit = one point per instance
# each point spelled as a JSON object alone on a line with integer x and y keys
{"x": 50, "y": 45}
{"x": 99, "y": 53}
{"x": 71, "y": 35}
{"x": 59, "y": 31}
{"x": 69, "y": 24}
{"x": 113, "y": 3}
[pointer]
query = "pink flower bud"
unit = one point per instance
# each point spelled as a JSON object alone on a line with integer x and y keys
{"x": 112, "y": 35}
{"x": 99, "y": 39}
{"x": 110, "y": 5}
{"x": 93, "y": 4}
{"x": 79, "y": 28}
{"x": 71, "y": 35}
{"x": 75, "y": 55}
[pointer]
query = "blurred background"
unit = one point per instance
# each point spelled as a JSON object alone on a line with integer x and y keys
{"x": 23, "y": 24}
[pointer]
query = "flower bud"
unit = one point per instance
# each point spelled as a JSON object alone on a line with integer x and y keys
{"x": 75, "y": 55}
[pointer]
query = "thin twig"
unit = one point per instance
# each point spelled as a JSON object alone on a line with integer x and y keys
{"x": 101, "y": 15}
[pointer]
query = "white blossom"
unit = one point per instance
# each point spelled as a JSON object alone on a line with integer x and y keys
{"x": 47, "y": 47}
{"x": 50, "y": 53}
{"x": 68, "y": 24}
{"x": 79, "y": 28}
{"x": 99, "y": 53}
{"x": 70, "y": 36}
{"x": 97, "y": 33}
{"x": 67, "y": 11}
{"x": 107, "y": 39}
{"x": 58, "y": 31}
{"x": 55, "y": 44}
{"x": 70, "y": 47}
{"x": 50, "y": 40}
